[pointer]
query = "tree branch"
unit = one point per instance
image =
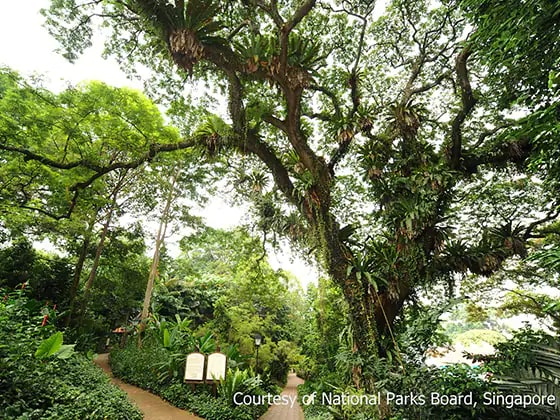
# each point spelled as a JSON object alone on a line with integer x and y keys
{"x": 299, "y": 15}
{"x": 288, "y": 27}
{"x": 29, "y": 155}
{"x": 515, "y": 152}
{"x": 323, "y": 116}
{"x": 491, "y": 132}
{"x": 280, "y": 124}
{"x": 428, "y": 86}
{"x": 272, "y": 11}
{"x": 468, "y": 102}
{"x": 267, "y": 155}
{"x": 331, "y": 96}
{"x": 552, "y": 214}
{"x": 338, "y": 154}
{"x": 98, "y": 169}
{"x": 535, "y": 301}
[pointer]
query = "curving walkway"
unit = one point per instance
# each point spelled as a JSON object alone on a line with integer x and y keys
{"x": 153, "y": 407}
{"x": 284, "y": 412}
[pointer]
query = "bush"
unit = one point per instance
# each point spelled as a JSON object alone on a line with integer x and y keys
{"x": 35, "y": 386}
{"x": 480, "y": 336}
{"x": 141, "y": 367}
{"x": 203, "y": 403}
{"x": 418, "y": 380}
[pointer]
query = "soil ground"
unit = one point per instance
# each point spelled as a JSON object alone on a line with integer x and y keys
{"x": 285, "y": 412}
{"x": 153, "y": 407}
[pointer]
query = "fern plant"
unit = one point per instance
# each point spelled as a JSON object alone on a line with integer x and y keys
{"x": 238, "y": 381}
{"x": 528, "y": 363}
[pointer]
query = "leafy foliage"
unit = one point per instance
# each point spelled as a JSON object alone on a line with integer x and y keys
{"x": 142, "y": 367}
{"x": 478, "y": 336}
{"x": 39, "y": 378}
{"x": 48, "y": 276}
{"x": 528, "y": 363}
{"x": 519, "y": 43}
{"x": 222, "y": 282}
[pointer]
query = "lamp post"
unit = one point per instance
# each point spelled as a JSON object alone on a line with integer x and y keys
{"x": 258, "y": 342}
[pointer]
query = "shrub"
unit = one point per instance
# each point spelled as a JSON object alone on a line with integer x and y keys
{"x": 480, "y": 336}
{"x": 52, "y": 383}
{"x": 141, "y": 367}
{"x": 418, "y": 380}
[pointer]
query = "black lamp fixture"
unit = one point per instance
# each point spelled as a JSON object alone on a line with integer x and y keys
{"x": 258, "y": 341}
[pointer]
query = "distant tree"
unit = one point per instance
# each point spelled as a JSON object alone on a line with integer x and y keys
{"x": 96, "y": 164}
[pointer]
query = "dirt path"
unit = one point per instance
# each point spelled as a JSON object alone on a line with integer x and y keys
{"x": 284, "y": 412}
{"x": 153, "y": 407}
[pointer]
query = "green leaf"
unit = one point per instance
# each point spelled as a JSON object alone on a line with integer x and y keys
{"x": 166, "y": 338}
{"x": 66, "y": 351}
{"x": 49, "y": 346}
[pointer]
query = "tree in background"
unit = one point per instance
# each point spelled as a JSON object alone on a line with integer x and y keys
{"x": 77, "y": 194}
{"x": 48, "y": 276}
{"x": 223, "y": 284}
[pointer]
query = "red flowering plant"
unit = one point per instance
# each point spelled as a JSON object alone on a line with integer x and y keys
{"x": 40, "y": 376}
{"x": 48, "y": 313}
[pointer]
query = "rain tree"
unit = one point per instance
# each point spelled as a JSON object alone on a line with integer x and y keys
{"x": 75, "y": 162}
{"x": 357, "y": 133}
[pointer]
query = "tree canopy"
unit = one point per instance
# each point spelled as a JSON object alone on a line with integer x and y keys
{"x": 356, "y": 136}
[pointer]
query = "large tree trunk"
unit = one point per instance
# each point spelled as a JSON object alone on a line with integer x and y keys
{"x": 388, "y": 306}
{"x": 364, "y": 329}
{"x": 358, "y": 295}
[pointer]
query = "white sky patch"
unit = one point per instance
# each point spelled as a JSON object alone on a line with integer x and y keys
{"x": 31, "y": 50}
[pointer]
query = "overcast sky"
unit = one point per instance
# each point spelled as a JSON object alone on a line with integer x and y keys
{"x": 28, "y": 48}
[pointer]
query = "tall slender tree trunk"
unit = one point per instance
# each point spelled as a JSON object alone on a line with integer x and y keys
{"x": 160, "y": 238}
{"x": 77, "y": 275}
{"x": 80, "y": 267}
{"x": 101, "y": 244}
{"x": 97, "y": 258}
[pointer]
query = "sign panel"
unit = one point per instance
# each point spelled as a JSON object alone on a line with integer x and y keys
{"x": 194, "y": 369}
{"x": 216, "y": 369}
